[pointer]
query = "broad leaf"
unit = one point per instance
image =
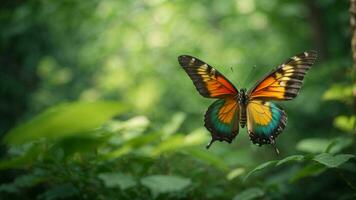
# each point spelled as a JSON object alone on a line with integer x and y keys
{"x": 338, "y": 92}
{"x": 308, "y": 171}
{"x": 249, "y": 194}
{"x": 165, "y": 183}
{"x": 235, "y": 173}
{"x": 65, "y": 191}
{"x": 345, "y": 123}
{"x": 174, "y": 124}
{"x": 289, "y": 159}
{"x": 120, "y": 180}
{"x": 313, "y": 145}
{"x": 260, "y": 167}
{"x": 64, "y": 120}
{"x": 332, "y": 161}
{"x": 207, "y": 157}
{"x": 338, "y": 144}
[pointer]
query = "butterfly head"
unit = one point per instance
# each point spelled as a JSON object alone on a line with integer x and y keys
{"x": 242, "y": 96}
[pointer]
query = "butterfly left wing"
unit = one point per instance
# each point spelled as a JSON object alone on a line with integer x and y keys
{"x": 222, "y": 120}
{"x": 265, "y": 121}
{"x": 284, "y": 82}
{"x": 208, "y": 81}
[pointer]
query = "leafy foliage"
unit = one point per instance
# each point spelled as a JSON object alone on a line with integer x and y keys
{"x": 95, "y": 106}
{"x": 164, "y": 184}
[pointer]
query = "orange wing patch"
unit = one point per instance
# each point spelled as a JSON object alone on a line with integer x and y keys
{"x": 260, "y": 113}
{"x": 222, "y": 120}
{"x": 285, "y": 81}
{"x": 208, "y": 81}
{"x": 228, "y": 111}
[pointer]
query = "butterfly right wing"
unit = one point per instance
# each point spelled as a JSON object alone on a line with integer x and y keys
{"x": 222, "y": 120}
{"x": 284, "y": 82}
{"x": 208, "y": 81}
{"x": 265, "y": 121}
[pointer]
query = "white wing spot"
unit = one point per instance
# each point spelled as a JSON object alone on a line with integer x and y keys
{"x": 191, "y": 61}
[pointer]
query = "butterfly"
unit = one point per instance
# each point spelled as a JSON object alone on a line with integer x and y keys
{"x": 254, "y": 108}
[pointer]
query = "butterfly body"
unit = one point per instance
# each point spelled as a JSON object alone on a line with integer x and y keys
{"x": 243, "y": 100}
{"x": 253, "y": 108}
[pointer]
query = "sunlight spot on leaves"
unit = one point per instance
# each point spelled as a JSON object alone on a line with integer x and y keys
{"x": 145, "y": 95}
{"x": 197, "y": 137}
{"x": 245, "y": 6}
{"x": 345, "y": 123}
{"x": 235, "y": 173}
{"x": 338, "y": 92}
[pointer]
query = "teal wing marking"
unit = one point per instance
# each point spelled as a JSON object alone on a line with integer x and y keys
{"x": 265, "y": 121}
{"x": 222, "y": 120}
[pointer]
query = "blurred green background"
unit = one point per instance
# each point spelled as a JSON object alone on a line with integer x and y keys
{"x": 94, "y": 104}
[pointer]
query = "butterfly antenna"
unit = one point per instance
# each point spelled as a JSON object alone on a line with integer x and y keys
{"x": 274, "y": 146}
{"x": 248, "y": 77}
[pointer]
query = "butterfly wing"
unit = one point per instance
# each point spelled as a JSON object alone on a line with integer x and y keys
{"x": 222, "y": 120}
{"x": 222, "y": 117}
{"x": 265, "y": 120}
{"x": 208, "y": 81}
{"x": 284, "y": 82}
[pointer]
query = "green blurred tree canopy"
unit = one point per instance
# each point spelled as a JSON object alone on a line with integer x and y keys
{"x": 94, "y": 104}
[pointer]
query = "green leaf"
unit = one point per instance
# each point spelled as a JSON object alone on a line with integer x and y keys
{"x": 260, "y": 167}
{"x": 338, "y": 92}
{"x": 165, "y": 183}
{"x": 120, "y": 180}
{"x": 170, "y": 144}
{"x": 77, "y": 144}
{"x": 251, "y": 193}
{"x": 313, "y": 145}
{"x": 275, "y": 163}
{"x": 132, "y": 145}
{"x": 9, "y": 188}
{"x": 24, "y": 160}
{"x": 207, "y": 157}
{"x": 332, "y": 161}
{"x": 338, "y": 144}
{"x": 174, "y": 124}
{"x": 128, "y": 129}
{"x": 309, "y": 170}
{"x": 64, "y": 120}
{"x": 290, "y": 158}
{"x": 60, "y": 192}
{"x": 23, "y": 181}
{"x": 235, "y": 173}
{"x": 345, "y": 123}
